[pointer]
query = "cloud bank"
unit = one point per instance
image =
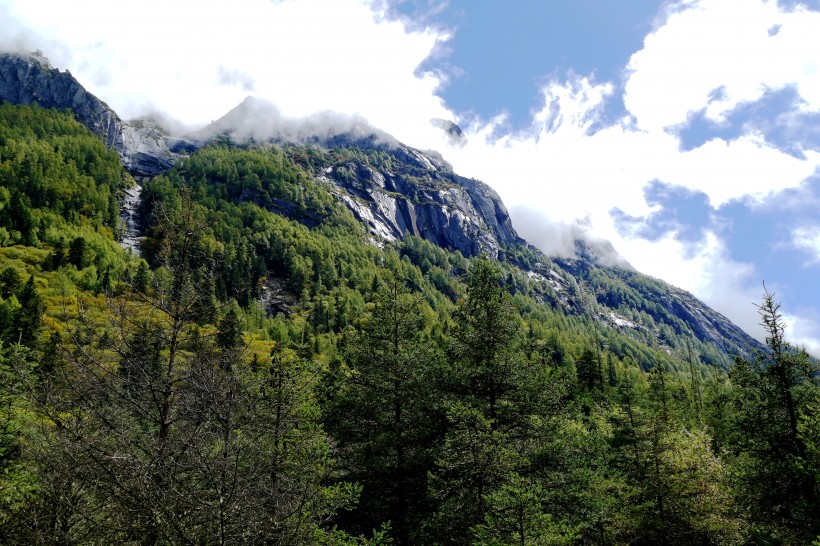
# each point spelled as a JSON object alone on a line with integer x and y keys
{"x": 576, "y": 165}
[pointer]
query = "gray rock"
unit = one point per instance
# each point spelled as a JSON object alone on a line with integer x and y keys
{"x": 454, "y": 133}
{"x": 421, "y": 196}
{"x": 30, "y": 80}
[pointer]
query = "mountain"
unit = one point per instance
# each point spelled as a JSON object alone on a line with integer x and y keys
{"x": 397, "y": 191}
{"x": 416, "y": 194}
{"x": 30, "y": 79}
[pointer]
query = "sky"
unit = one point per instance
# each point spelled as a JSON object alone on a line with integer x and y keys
{"x": 686, "y": 132}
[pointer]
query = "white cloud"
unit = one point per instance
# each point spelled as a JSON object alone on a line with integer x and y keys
{"x": 196, "y": 60}
{"x": 567, "y": 173}
{"x": 717, "y": 54}
{"x": 807, "y": 239}
{"x": 803, "y": 329}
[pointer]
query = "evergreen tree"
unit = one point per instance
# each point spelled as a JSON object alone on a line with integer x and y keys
{"x": 229, "y": 334}
{"x": 78, "y": 253}
{"x": 771, "y": 395}
{"x": 58, "y": 256}
{"x": 489, "y": 367}
{"x": 383, "y": 416}
{"x": 517, "y": 514}
{"x": 29, "y": 317}
{"x": 589, "y": 371}
{"x": 9, "y": 282}
{"x": 140, "y": 283}
{"x": 474, "y": 463}
{"x": 492, "y": 388}
{"x": 611, "y": 374}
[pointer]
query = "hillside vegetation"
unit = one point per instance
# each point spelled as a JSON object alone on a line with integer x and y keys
{"x": 264, "y": 373}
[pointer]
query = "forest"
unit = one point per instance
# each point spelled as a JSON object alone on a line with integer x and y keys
{"x": 263, "y": 373}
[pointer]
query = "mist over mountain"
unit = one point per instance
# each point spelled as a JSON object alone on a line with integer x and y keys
{"x": 257, "y": 119}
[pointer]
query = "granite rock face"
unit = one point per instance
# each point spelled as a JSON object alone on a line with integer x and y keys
{"x": 30, "y": 80}
{"x": 144, "y": 149}
{"x": 415, "y": 193}
{"x": 420, "y": 195}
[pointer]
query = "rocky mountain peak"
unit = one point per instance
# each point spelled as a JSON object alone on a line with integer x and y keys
{"x": 394, "y": 189}
{"x": 31, "y": 80}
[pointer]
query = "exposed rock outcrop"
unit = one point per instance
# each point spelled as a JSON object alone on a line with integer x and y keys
{"x": 421, "y": 196}
{"x": 144, "y": 149}
{"x": 414, "y": 193}
{"x": 30, "y": 79}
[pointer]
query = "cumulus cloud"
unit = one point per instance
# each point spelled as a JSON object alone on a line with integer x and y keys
{"x": 807, "y": 240}
{"x": 719, "y": 54}
{"x": 803, "y": 329}
{"x": 197, "y": 60}
{"x": 705, "y": 56}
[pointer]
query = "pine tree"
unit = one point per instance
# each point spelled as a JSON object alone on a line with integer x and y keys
{"x": 229, "y": 334}
{"x": 9, "y": 282}
{"x": 29, "y": 317}
{"x": 489, "y": 368}
{"x": 141, "y": 278}
{"x": 383, "y": 415}
{"x": 77, "y": 253}
{"x": 771, "y": 395}
{"x": 58, "y": 256}
{"x": 516, "y": 514}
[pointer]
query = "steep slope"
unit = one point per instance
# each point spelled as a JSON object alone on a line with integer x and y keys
{"x": 30, "y": 79}
{"x": 392, "y": 188}
{"x": 396, "y": 191}
{"x": 632, "y": 302}
{"x": 411, "y": 193}
{"x": 400, "y": 191}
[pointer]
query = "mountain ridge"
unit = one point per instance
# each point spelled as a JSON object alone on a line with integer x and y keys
{"x": 395, "y": 191}
{"x": 30, "y": 79}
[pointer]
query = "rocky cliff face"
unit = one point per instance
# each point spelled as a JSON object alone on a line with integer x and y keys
{"x": 395, "y": 190}
{"x": 30, "y": 79}
{"x": 417, "y": 194}
{"x": 631, "y": 301}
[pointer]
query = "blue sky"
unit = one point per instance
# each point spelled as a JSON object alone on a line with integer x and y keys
{"x": 685, "y": 132}
{"x": 502, "y": 52}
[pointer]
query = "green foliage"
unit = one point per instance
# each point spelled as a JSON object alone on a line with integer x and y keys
{"x": 488, "y": 367}
{"x": 475, "y": 461}
{"x": 773, "y": 398}
{"x": 266, "y": 374}
{"x": 53, "y": 170}
{"x": 382, "y": 412}
{"x": 18, "y": 479}
{"x": 29, "y": 316}
{"x": 166, "y": 436}
{"x": 77, "y": 254}
{"x": 516, "y": 515}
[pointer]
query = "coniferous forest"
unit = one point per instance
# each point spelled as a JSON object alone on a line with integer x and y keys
{"x": 262, "y": 373}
